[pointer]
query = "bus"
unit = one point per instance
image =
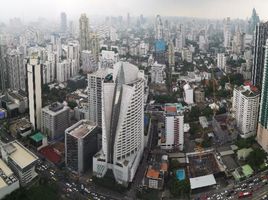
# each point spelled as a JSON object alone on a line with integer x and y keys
{"x": 244, "y": 195}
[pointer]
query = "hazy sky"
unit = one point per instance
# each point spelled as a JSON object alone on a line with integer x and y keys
{"x": 32, "y": 9}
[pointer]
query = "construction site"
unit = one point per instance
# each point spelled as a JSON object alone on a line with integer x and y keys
{"x": 201, "y": 164}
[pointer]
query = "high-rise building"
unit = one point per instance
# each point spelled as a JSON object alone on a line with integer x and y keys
{"x": 245, "y": 109}
{"x": 63, "y": 22}
{"x": 89, "y": 64}
{"x": 55, "y": 119}
{"x": 159, "y": 30}
{"x": 227, "y": 33}
{"x": 16, "y": 70}
{"x": 157, "y": 73}
{"x": 73, "y": 55}
{"x": 3, "y": 68}
{"x": 84, "y": 32}
{"x": 34, "y": 87}
{"x": 80, "y": 146}
{"x": 254, "y": 20}
{"x": 122, "y": 124}
{"x": 171, "y": 55}
{"x": 95, "y": 47}
{"x": 180, "y": 38}
{"x": 260, "y": 37}
{"x": 95, "y": 81}
{"x": 221, "y": 61}
{"x": 262, "y": 134}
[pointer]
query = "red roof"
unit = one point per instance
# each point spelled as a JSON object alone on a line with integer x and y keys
{"x": 252, "y": 87}
{"x": 49, "y": 153}
{"x": 171, "y": 109}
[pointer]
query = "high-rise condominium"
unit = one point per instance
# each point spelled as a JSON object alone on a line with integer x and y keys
{"x": 122, "y": 124}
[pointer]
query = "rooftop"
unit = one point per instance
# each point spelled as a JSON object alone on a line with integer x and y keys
{"x": 202, "y": 181}
{"x": 37, "y": 137}
{"x": 19, "y": 154}
{"x": 81, "y": 129}
{"x": 152, "y": 173}
{"x": 3, "y": 166}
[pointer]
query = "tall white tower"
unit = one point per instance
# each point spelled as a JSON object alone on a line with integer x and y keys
{"x": 122, "y": 124}
{"x": 34, "y": 76}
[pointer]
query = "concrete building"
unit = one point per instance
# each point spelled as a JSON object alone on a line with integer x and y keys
{"x": 159, "y": 30}
{"x": 80, "y": 146}
{"x": 55, "y": 119}
{"x": 122, "y": 124}
{"x": 8, "y": 181}
{"x": 16, "y": 70}
{"x": 84, "y": 32}
{"x": 173, "y": 137}
{"x": 221, "y": 61}
{"x": 73, "y": 55}
{"x": 262, "y": 135}
{"x": 245, "y": 109}
{"x": 260, "y": 37}
{"x": 199, "y": 95}
{"x": 187, "y": 55}
{"x": 20, "y": 160}
{"x": 188, "y": 94}
{"x": 89, "y": 64}
{"x": 34, "y": 86}
{"x": 95, "y": 82}
{"x": 227, "y": 33}
{"x": 157, "y": 73}
{"x": 63, "y": 22}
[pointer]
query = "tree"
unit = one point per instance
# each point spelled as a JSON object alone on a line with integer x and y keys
{"x": 179, "y": 188}
{"x": 256, "y": 158}
{"x": 72, "y": 104}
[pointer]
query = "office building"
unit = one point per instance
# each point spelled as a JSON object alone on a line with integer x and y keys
{"x": 260, "y": 37}
{"x": 95, "y": 83}
{"x": 8, "y": 181}
{"x": 80, "y": 146}
{"x": 245, "y": 109}
{"x": 84, "y": 32}
{"x": 34, "y": 86}
{"x": 262, "y": 134}
{"x": 55, "y": 119}
{"x": 20, "y": 160}
{"x": 122, "y": 124}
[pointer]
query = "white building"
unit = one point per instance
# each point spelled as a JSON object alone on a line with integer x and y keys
{"x": 73, "y": 55}
{"x": 227, "y": 33}
{"x": 173, "y": 137}
{"x": 34, "y": 75}
{"x": 8, "y": 181}
{"x": 95, "y": 82}
{"x": 108, "y": 58}
{"x": 122, "y": 124}
{"x": 64, "y": 70}
{"x": 188, "y": 94}
{"x": 80, "y": 146}
{"x": 221, "y": 61}
{"x": 20, "y": 160}
{"x": 157, "y": 73}
{"x": 48, "y": 72}
{"x": 89, "y": 64}
{"x": 187, "y": 55}
{"x": 55, "y": 119}
{"x": 245, "y": 110}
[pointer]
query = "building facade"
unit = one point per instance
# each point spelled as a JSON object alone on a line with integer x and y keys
{"x": 122, "y": 124}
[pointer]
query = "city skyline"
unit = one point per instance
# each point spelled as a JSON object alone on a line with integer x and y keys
{"x": 192, "y": 8}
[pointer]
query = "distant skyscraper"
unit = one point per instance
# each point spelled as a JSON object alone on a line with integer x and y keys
{"x": 159, "y": 29}
{"x": 95, "y": 47}
{"x": 180, "y": 38}
{"x": 254, "y": 20}
{"x": 84, "y": 32}
{"x": 171, "y": 55}
{"x": 63, "y": 22}
{"x": 34, "y": 78}
{"x": 262, "y": 134}
{"x": 260, "y": 37}
{"x": 227, "y": 33}
{"x": 122, "y": 124}
{"x": 3, "y": 68}
{"x": 16, "y": 70}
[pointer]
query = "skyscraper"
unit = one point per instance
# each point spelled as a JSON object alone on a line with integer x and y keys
{"x": 16, "y": 70}
{"x": 84, "y": 32}
{"x": 95, "y": 81}
{"x": 254, "y": 20}
{"x": 34, "y": 78}
{"x": 262, "y": 134}
{"x": 63, "y": 22}
{"x": 3, "y": 69}
{"x": 227, "y": 33}
{"x": 122, "y": 124}
{"x": 159, "y": 29}
{"x": 260, "y": 37}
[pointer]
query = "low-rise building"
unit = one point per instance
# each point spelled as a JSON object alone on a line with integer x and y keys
{"x": 20, "y": 160}
{"x": 8, "y": 181}
{"x": 199, "y": 95}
